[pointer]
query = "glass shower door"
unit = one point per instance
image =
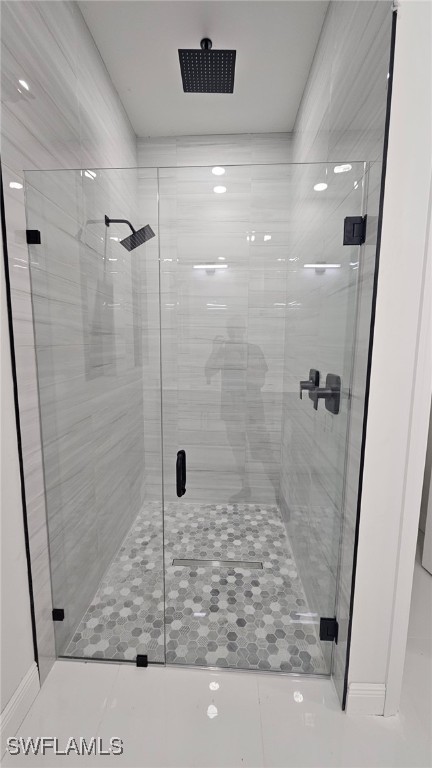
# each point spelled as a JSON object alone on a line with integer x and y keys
{"x": 256, "y": 290}
{"x": 96, "y": 324}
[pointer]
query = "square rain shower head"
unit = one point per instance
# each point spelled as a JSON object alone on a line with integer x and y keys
{"x": 138, "y": 238}
{"x": 207, "y": 71}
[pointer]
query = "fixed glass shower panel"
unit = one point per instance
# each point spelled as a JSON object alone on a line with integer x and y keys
{"x": 95, "y": 293}
{"x": 258, "y": 294}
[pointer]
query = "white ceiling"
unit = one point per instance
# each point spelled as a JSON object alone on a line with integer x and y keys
{"x": 275, "y": 43}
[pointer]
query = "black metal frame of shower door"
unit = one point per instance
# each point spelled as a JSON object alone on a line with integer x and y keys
{"x": 17, "y": 415}
{"x": 370, "y": 348}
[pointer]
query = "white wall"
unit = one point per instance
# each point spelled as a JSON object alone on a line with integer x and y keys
{"x": 17, "y": 655}
{"x": 400, "y": 383}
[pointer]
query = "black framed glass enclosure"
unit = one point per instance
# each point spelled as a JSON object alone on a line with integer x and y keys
{"x": 194, "y": 386}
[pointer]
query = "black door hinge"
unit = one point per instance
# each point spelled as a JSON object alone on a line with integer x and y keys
{"x": 329, "y": 629}
{"x": 33, "y": 237}
{"x": 142, "y": 660}
{"x": 58, "y": 614}
{"x": 354, "y": 230}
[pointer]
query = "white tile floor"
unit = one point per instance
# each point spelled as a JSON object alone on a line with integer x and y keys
{"x": 185, "y": 718}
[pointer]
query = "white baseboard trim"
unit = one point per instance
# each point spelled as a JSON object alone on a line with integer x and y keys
{"x": 366, "y": 699}
{"x": 18, "y": 706}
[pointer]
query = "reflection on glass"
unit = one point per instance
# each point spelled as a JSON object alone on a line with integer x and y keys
{"x": 242, "y": 368}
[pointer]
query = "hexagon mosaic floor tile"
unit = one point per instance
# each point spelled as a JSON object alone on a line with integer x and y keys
{"x": 214, "y": 616}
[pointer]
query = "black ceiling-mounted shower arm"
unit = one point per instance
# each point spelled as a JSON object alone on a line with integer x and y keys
{"x": 109, "y": 221}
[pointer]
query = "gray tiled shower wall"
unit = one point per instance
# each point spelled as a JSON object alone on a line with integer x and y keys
{"x": 193, "y": 229}
{"x": 220, "y": 330}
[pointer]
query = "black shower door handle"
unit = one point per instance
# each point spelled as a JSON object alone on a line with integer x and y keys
{"x": 181, "y": 473}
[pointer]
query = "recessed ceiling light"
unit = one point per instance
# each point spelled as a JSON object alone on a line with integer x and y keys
{"x": 320, "y": 187}
{"x": 218, "y": 170}
{"x": 267, "y": 237}
{"x": 219, "y": 190}
{"x": 15, "y": 185}
{"x": 342, "y": 168}
{"x": 90, "y": 174}
{"x": 221, "y": 258}
{"x": 24, "y": 84}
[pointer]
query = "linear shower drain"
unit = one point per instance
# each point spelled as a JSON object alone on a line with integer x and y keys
{"x": 218, "y": 563}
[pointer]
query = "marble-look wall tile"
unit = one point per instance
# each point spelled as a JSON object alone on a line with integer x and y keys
{"x": 242, "y": 455}
{"x": 341, "y": 112}
{"x": 53, "y": 124}
{"x": 230, "y": 149}
{"x": 223, "y": 329}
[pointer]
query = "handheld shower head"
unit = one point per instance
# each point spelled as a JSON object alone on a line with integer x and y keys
{"x": 138, "y": 237}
